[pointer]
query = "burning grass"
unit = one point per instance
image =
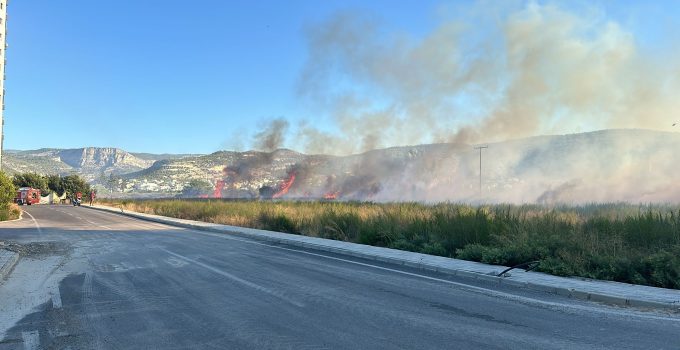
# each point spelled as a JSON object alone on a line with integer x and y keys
{"x": 620, "y": 242}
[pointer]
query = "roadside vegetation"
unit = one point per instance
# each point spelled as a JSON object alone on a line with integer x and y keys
{"x": 621, "y": 242}
{"x": 47, "y": 184}
{"x": 8, "y": 211}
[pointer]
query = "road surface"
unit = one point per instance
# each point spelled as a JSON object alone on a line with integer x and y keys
{"x": 95, "y": 280}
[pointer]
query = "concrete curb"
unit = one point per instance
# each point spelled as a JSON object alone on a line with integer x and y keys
{"x": 613, "y": 293}
{"x": 21, "y": 216}
{"x": 8, "y": 260}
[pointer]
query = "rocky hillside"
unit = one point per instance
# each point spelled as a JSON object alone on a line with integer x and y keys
{"x": 91, "y": 162}
{"x": 610, "y": 165}
{"x": 173, "y": 174}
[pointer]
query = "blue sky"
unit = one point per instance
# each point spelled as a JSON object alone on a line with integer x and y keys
{"x": 189, "y": 77}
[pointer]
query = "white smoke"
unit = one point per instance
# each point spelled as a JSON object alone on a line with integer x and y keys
{"x": 539, "y": 69}
{"x": 490, "y": 76}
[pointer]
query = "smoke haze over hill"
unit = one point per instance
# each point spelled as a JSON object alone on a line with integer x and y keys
{"x": 530, "y": 70}
{"x": 399, "y": 114}
{"x": 487, "y": 76}
{"x": 603, "y": 166}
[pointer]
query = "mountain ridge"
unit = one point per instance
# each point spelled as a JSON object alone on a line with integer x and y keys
{"x": 603, "y": 165}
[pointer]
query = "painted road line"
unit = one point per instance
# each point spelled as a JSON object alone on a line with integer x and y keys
{"x": 95, "y": 224}
{"x": 235, "y": 278}
{"x": 31, "y": 340}
{"x": 590, "y": 308}
{"x": 482, "y": 290}
{"x": 37, "y": 226}
{"x": 86, "y": 220}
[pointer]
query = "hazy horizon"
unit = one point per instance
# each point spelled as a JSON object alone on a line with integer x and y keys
{"x": 299, "y": 151}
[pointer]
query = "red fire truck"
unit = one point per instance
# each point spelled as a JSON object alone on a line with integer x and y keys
{"x": 28, "y": 196}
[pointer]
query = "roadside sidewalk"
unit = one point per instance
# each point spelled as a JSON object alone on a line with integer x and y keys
{"x": 615, "y": 293}
{"x": 8, "y": 258}
{"x": 7, "y": 261}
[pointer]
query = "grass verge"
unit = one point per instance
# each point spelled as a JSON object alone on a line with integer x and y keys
{"x": 620, "y": 242}
{"x": 10, "y": 212}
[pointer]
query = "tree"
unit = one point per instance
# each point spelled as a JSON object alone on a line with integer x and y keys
{"x": 113, "y": 182}
{"x": 7, "y": 191}
{"x": 267, "y": 192}
{"x": 32, "y": 180}
{"x": 195, "y": 188}
{"x": 74, "y": 183}
{"x": 54, "y": 184}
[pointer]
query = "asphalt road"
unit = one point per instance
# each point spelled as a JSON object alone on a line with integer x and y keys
{"x": 94, "y": 280}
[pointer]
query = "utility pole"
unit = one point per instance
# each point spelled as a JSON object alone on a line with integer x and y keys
{"x": 3, "y": 63}
{"x": 480, "y": 148}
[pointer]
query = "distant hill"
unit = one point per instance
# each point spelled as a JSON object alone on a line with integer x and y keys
{"x": 608, "y": 165}
{"x": 90, "y": 162}
{"x": 42, "y": 161}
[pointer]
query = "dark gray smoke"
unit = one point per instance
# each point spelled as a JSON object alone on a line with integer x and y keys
{"x": 272, "y": 137}
{"x": 246, "y": 167}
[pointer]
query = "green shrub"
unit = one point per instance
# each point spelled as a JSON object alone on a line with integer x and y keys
{"x": 277, "y": 222}
{"x": 7, "y": 192}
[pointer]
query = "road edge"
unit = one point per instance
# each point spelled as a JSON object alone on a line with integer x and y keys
{"x": 353, "y": 249}
{"x": 9, "y": 265}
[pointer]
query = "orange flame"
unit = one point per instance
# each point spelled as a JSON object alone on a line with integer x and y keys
{"x": 219, "y": 186}
{"x": 331, "y": 195}
{"x": 285, "y": 186}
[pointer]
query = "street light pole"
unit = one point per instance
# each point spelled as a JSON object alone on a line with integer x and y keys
{"x": 480, "y": 148}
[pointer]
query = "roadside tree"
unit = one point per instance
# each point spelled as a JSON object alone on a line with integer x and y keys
{"x": 32, "y": 180}
{"x": 54, "y": 184}
{"x": 7, "y": 191}
{"x": 196, "y": 188}
{"x": 72, "y": 184}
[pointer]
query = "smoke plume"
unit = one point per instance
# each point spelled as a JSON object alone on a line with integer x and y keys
{"x": 272, "y": 137}
{"x": 539, "y": 69}
{"x": 482, "y": 76}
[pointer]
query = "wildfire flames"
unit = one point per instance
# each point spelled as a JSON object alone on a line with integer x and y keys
{"x": 331, "y": 195}
{"x": 219, "y": 186}
{"x": 234, "y": 180}
{"x": 285, "y": 186}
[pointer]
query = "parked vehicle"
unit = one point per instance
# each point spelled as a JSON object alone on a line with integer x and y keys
{"x": 28, "y": 196}
{"x": 77, "y": 199}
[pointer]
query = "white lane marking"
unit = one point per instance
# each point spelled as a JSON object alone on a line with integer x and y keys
{"x": 93, "y": 223}
{"x": 176, "y": 262}
{"x": 37, "y": 226}
{"x": 31, "y": 340}
{"x": 56, "y": 298}
{"x": 235, "y": 278}
{"x": 508, "y": 296}
{"x": 482, "y": 290}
